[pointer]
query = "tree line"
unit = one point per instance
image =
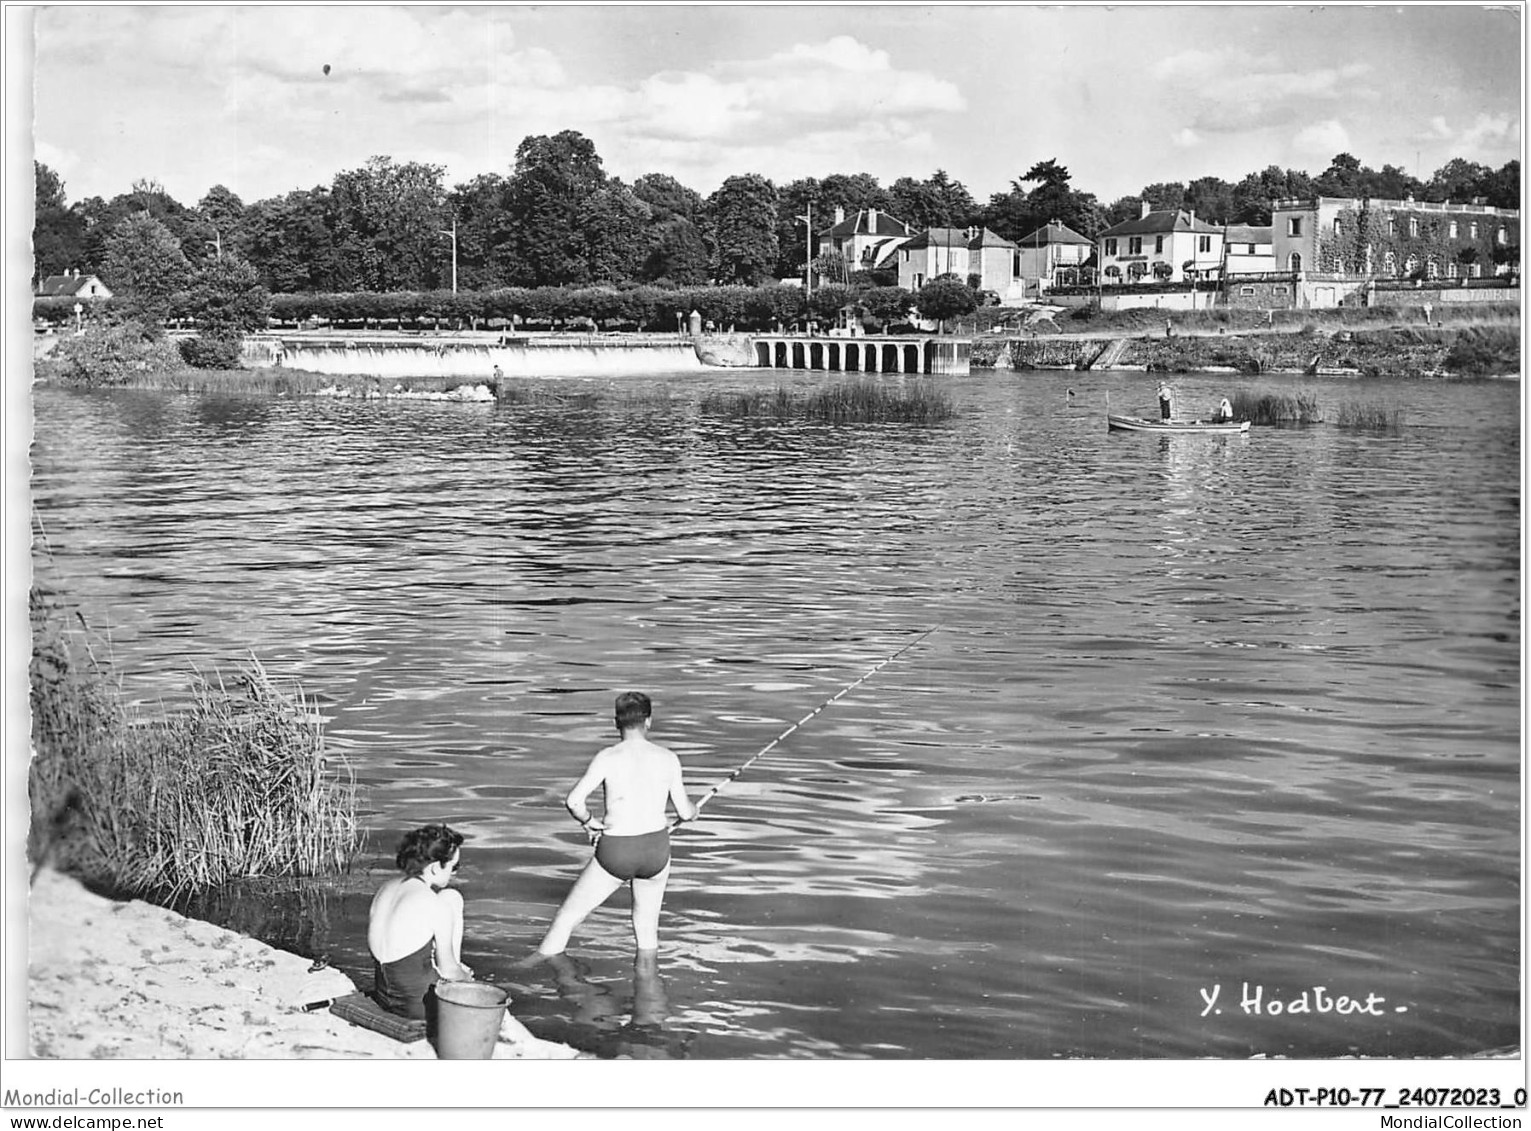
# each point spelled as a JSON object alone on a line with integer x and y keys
{"x": 556, "y": 219}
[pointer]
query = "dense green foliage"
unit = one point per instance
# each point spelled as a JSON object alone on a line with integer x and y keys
{"x": 555, "y": 218}
{"x": 111, "y": 353}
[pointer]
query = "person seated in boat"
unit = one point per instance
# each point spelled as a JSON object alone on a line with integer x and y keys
{"x": 1224, "y": 412}
{"x": 1166, "y": 401}
{"x": 414, "y": 929}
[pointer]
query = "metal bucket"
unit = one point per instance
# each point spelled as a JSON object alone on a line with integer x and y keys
{"x": 468, "y": 1017}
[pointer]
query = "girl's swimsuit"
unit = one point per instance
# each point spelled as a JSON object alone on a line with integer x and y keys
{"x": 400, "y": 986}
{"x": 634, "y": 857}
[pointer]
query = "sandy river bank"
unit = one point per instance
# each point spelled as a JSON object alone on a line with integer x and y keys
{"x": 129, "y": 980}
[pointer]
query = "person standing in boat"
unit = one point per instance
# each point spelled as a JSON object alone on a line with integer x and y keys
{"x": 632, "y": 837}
{"x": 1225, "y": 411}
{"x": 1166, "y": 401}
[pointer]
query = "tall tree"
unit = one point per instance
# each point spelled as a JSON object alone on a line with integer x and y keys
{"x": 744, "y": 210}
{"x": 1257, "y": 192}
{"x": 58, "y": 233}
{"x": 936, "y": 202}
{"x": 667, "y": 198}
{"x": 485, "y": 255}
{"x": 287, "y": 240}
{"x": 145, "y": 266}
{"x": 226, "y": 298}
{"x": 554, "y": 179}
{"x": 615, "y": 226}
{"x": 386, "y": 220}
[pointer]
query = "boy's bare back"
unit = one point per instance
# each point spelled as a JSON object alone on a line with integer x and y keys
{"x": 639, "y": 776}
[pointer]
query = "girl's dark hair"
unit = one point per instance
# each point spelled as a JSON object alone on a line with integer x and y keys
{"x": 427, "y": 845}
{"x": 632, "y": 708}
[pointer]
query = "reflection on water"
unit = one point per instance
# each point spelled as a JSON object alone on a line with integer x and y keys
{"x": 1196, "y": 711}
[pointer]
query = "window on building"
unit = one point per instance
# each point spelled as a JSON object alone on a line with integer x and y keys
{"x": 1158, "y": 245}
{"x": 1246, "y": 290}
{"x": 1499, "y": 237}
{"x": 1392, "y": 225}
{"x": 919, "y": 280}
{"x": 1111, "y": 247}
{"x": 1251, "y": 249}
{"x": 1474, "y": 271}
{"x": 1204, "y": 244}
{"x": 1294, "y": 262}
{"x": 1413, "y": 226}
{"x": 1410, "y": 266}
{"x": 1113, "y": 272}
{"x": 1451, "y": 270}
{"x": 1432, "y": 269}
{"x": 1294, "y": 226}
{"x": 1451, "y": 229}
{"x": 1390, "y": 264}
{"x": 1134, "y": 245}
{"x": 1336, "y": 225}
{"x": 1472, "y": 230}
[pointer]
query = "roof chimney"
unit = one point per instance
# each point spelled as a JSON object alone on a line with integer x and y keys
{"x": 872, "y": 221}
{"x": 1146, "y": 209}
{"x": 839, "y": 214}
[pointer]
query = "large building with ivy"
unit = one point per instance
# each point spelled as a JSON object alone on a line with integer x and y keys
{"x": 1403, "y": 239}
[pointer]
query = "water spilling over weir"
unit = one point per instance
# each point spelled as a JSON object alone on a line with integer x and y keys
{"x": 476, "y": 360}
{"x": 489, "y": 357}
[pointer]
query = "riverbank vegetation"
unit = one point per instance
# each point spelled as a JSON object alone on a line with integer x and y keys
{"x": 237, "y": 782}
{"x": 845, "y": 402}
{"x": 1262, "y": 406}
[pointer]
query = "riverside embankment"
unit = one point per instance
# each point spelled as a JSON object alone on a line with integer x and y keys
{"x": 1401, "y": 351}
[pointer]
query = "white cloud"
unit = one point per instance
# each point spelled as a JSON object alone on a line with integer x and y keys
{"x": 1322, "y": 139}
{"x": 1185, "y": 138}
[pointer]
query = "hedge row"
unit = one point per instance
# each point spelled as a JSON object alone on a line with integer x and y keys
{"x": 642, "y": 308}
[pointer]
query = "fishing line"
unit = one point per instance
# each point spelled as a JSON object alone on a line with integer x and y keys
{"x": 768, "y": 747}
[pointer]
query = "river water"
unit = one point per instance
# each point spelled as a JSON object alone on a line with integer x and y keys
{"x": 1202, "y": 721}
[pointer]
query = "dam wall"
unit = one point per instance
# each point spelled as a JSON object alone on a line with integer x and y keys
{"x": 471, "y": 360}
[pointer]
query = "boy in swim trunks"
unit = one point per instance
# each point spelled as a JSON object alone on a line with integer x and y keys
{"x": 639, "y": 777}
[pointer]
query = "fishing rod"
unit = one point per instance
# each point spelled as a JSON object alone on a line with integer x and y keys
{"x": 768, "y": 747}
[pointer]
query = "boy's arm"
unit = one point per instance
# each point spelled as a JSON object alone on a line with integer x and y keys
{"x": 683, "y": 807}
{"x": 594, "y": 775}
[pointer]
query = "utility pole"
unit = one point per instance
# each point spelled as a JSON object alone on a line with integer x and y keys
{"x": 808, "y": 247}
{"x": 453, "y": 234}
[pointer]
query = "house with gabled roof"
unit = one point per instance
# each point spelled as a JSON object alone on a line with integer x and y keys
{"x": 1051, "y": 256}
{"x": 866, "y": 240}
{"x": 1160, "y": 246}
{"x": 1248, "y": 249}
{"x": 71, "y": 284}
{"x": 965, "y": 253}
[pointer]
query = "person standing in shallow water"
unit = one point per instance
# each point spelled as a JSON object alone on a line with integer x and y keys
{"x": 633, "y": 835}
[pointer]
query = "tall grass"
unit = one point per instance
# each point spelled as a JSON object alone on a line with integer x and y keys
{"x": 845, "y": 402}
{"x": 1369, "y": 417}
{"x": 1261, "y": 406}
{"x": 238, "y": 783}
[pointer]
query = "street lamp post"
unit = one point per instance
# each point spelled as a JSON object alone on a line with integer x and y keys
{"x": 453, "y": 235}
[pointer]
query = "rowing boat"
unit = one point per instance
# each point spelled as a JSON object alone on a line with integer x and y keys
{"x": 1115, "y": 423}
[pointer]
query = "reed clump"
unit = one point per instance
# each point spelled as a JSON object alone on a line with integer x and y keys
{"x": 1369, "y": 417}
{"x": 1261, "y": 406}
{"x": 237, "y": 783}
{"x": 845, "y": 402}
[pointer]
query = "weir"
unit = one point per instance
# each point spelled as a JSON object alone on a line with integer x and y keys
{"x": 360, "y": 356}
{"x": 949, "y": 356}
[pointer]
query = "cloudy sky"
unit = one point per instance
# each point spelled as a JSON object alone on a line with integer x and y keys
{"x": 264, "y": 99}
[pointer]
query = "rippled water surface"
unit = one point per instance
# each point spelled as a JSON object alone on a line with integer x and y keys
{"x": 1195, "y": 712}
